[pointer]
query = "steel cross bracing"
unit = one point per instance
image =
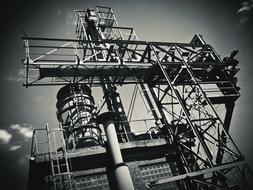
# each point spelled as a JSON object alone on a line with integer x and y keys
{"x": 180, "y": 82}
{"x": 200, "y": 120}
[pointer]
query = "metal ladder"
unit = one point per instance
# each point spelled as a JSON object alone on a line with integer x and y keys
{"x": 61, "y": 176}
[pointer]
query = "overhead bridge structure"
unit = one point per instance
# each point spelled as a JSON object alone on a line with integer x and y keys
{"x": 133, "y": 114}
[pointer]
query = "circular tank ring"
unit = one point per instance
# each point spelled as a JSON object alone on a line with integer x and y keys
{"x": 70, "y": 88}
{"x": 70, "y": 96}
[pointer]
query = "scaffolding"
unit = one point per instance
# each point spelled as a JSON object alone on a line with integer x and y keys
{"x": 181, "y": 85}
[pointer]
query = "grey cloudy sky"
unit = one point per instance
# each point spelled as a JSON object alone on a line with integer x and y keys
{"x": 225, "y": 24}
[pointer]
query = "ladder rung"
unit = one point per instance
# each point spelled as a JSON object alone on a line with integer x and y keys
{"x": 42, "y": 142}
{"x": 57, "y": 157}
{"x": 62, "y": 174}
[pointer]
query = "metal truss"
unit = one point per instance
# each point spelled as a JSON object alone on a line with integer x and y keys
{"x": 180, "y": 82}
{"x": 197, "y": 129}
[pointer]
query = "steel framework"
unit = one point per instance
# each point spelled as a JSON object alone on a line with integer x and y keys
{"x": 181, "y": 84}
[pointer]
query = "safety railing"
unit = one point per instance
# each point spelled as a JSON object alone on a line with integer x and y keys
{"x": 40, "y": 141}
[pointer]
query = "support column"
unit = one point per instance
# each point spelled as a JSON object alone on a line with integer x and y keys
{"x": 121, "y": 171}
{"x": 229, "y": 113}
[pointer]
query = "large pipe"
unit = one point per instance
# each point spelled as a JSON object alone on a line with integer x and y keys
{"x": 121, "y": 171}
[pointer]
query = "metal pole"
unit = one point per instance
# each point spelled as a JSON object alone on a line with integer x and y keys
{"x": 121, "y": 171}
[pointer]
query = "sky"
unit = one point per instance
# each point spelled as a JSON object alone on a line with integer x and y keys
{"x": 225, "y": 24}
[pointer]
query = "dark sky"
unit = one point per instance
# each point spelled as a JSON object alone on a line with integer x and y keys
{"x": 225, "y": 24}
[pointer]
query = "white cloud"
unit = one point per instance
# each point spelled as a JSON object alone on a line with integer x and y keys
{"x": 22, "y": 161}
{"x": 19, "y": 76}
{"x": 15, "y": 126}
{"x": 245, "y": 11}
{"x": 70, "y": 18}
{"x": 21, "y": 72}
{"x": 23, "y": 130}
{"x": 26, "y": 132}
{"x": 59, "y": 13}
{"x": 15, "y": 79}
{"x": 14, "y": 147}
{"x": 5, "y": 136}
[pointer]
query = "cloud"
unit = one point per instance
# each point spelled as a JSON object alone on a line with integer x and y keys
{"x": 67, "y": 15}
{"x": 59, "y": 12}
{"x": 70, "y": 18}
{"x": 14, "y": 79}
{"x": 22, "y": 161}
{"x": 17, "y": 135}
{"x": 23, "y": 129}
{"x": 15, "y": 147}
{"x": 5, "y": 136}
{"x": 19, "y": 76}
{"x": 245, "y": 12}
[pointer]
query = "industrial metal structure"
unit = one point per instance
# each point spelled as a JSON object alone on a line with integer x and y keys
{"x": 133, "y": 114}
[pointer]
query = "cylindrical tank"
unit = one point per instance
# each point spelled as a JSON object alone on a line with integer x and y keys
{"x": 75, "y": 108}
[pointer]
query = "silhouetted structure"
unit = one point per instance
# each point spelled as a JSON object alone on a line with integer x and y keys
{"x": 183, "y": 143}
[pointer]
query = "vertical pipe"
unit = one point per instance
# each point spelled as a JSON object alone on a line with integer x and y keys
{"x": 121, "y": 171}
